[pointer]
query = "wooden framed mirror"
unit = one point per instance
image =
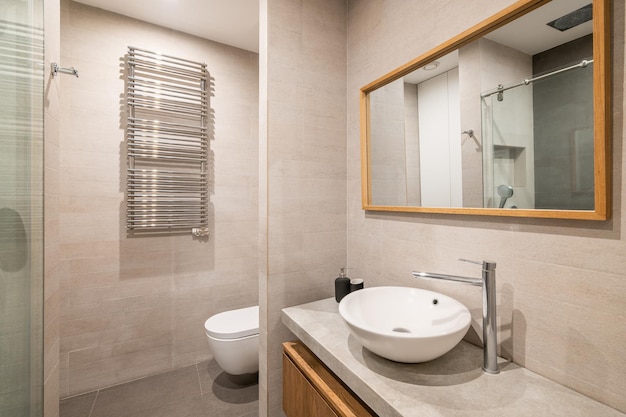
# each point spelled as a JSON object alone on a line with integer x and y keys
{"x": 509, "y": 118}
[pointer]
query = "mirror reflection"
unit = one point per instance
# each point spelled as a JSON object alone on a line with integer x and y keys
{"x": 506, "y": 121}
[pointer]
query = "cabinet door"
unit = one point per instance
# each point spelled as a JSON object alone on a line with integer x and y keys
{"x": 300, "y": 399}
{"x": 312, "y": 390}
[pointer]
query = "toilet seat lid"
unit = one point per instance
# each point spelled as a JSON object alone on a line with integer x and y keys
{"x": 234, "y": 324}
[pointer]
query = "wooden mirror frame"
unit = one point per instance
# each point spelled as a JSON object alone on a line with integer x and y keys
{"x": 601, "y": 109}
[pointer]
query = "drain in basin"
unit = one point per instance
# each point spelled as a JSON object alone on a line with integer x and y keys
{"x": 400, "y": 330}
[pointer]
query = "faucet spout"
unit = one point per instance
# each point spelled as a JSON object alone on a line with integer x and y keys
{"x": 456, "y": 278}
{"x": 490, "y": 329}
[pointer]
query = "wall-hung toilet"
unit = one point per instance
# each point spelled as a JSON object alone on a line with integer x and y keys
{"x": 234, "y": 340}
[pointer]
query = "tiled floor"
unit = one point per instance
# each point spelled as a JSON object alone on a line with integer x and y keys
{"x": 202, "y": 390}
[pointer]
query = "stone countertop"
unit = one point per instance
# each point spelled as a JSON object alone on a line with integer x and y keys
{"x": 452, "y": 385}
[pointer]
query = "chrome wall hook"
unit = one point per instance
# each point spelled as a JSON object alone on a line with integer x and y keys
{"x": 472, "y": 136}
{"x": 56, "y": 70}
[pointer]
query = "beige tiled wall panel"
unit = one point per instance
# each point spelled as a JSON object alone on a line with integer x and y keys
{"x": 303, "y": 97}
{"x": 132, "y": 307}
{"x": 561, "y": 284}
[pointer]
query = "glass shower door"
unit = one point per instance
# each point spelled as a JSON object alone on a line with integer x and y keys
{"x": 508, "y": 149}
{"x": 21, "y": 207}
{"x": 538, "y": 142}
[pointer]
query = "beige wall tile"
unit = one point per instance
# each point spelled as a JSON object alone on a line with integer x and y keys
{"x": 544, "y": 268}
{"x": 134, "y": 307}
{"x": 559, "y": 282}
{"x": 303, "y": 164}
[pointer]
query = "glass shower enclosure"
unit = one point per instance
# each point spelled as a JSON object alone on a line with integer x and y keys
{"x": 21, "y": 207}
{"x": 538, "y": 142}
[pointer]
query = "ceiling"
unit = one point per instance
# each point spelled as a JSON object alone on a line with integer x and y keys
{"x": 233, "y": 22}
{"x": 529, "y": 34}
{"x": 236, "y": 22}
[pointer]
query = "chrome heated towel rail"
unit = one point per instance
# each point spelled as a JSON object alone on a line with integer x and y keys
{"x": 167, "y": 144}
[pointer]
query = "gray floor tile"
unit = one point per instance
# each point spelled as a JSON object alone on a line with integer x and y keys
{"x": 224, "y": 396}
{"x": 77, "y": 406}
{"x": 254, "y": 413}
{"x": 196, "y": 391}
{"x": 189, "y": 407}
{"x": 147, "y": 394}
{"x": 211, "y": 376}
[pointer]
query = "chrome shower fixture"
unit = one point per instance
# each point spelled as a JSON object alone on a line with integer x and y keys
{"x": 505, "y": 192}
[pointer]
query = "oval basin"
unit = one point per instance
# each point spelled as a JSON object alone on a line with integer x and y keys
{"x": 405, "y": 324}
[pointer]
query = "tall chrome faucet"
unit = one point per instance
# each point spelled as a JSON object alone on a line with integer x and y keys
{"x": 490, "y": 330}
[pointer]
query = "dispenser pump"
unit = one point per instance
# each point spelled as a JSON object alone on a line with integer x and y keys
{"x": 342, "y": 284}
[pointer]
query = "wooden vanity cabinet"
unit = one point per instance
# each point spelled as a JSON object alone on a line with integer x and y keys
{"x": 311, "y": 390}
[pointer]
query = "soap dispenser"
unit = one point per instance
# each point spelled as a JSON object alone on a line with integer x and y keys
{"x": 342, "y": 285}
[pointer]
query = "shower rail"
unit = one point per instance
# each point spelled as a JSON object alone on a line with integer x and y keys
{"x": 167, "y": 144}
{"x": 527, "y": 81}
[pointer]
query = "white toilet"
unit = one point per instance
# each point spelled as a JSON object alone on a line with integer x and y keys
{"x": 234, "y": 340}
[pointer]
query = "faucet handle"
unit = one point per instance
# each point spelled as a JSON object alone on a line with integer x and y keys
{"x": 487, "y": 265}
{"x": 471, "y": 261}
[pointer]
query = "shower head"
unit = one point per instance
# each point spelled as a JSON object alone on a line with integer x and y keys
{"x": 573, "y": 19}
{"x": 505, "y": 192}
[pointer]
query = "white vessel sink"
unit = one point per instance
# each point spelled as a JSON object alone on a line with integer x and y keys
{"x": 405, "y": 324}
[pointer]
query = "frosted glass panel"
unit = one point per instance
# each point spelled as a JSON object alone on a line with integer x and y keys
{"x": 21, "y": 208}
